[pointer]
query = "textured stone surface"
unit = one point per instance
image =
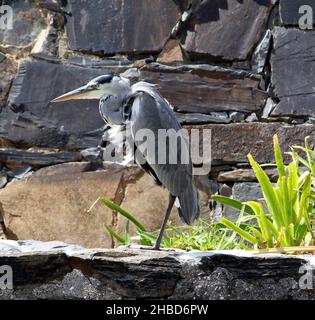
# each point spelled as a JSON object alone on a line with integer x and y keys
{"x": 244, "y": 191}
{"x": 289, "y": 11}
{"x": 53, "y": 205}
{"x": 247, "y": 191}
{"x": 171, "y": 53}
{"x": 32, "y": 120}
{"x": 28, "y": 21}
{"x": 206, "y": 88}
{"x": 46, "y": 43}
{"x": 261, "y": 53}
{"x": 214, "y": 28}
{"x": 232, "y": 142}
{"x": 15, "y": 157}
{"x": 237, "y": 116}
{"x": 252, "y": 118}
{"x": 7, "y": 70}
{"x": 58, "y": 271}
{"x": 118, "y": 31}
{"x": 293, "y": 58}
{"x": 245, "y": 175}
{"x": 200, "y": 118}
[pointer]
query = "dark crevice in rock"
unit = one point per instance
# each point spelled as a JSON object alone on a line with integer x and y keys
{"x": 2, "y": 225}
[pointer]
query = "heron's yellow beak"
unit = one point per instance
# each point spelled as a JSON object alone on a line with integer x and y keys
{"x": 85, "y": 92}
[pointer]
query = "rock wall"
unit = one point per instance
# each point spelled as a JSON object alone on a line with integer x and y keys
{"x": 56, "y": 270}
{"x": 243, "y": 69}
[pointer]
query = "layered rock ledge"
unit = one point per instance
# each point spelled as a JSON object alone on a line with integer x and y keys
{"x": 55, "y": 270}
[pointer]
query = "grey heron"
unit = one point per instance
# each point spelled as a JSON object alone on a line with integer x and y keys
{"x": 141, "y": 106}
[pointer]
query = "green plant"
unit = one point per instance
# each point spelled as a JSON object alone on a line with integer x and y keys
{"x": 203, "y": 236}
{"x": 284, "y": 218}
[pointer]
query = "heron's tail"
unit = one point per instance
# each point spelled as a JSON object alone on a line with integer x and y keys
{"x": 187, "y": 204}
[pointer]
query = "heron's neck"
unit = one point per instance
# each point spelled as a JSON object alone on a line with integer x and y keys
{"x": 121, "y": 89}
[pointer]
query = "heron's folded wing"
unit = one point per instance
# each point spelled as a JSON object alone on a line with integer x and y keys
{"x": 152, "y": 114}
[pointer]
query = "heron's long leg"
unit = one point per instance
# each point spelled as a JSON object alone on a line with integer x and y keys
{"x": 167, "y": 215}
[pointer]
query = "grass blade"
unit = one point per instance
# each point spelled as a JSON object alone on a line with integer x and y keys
{"x": 247, "y": 236}
{"x": 233, "y": 203}
{"x": 115, "y": 235}
{"x": 113, "y": 206}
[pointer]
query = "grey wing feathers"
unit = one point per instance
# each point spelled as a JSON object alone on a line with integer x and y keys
{"x": 151, "y": 111}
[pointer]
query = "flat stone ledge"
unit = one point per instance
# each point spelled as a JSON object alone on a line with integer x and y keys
{"x": 55, "y": 270}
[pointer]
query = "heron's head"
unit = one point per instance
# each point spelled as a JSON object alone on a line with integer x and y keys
{"x": 95, "y": 89}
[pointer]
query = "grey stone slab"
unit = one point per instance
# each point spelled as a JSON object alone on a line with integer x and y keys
{"x": 226, "y": 30}
{"x": 230, "y": 143}
{"x": 245, "y": 175}
{"x": 290, "y": 13}
{"x": 15, "y": 157}
{"x": 293, "y": 68}
{"x": 116, "y": 26}
{"x": 28, "y": 22}
{"x": 199, "y": 118}
{"x": 261, "y": 53}
{"x": 206, "y": 88}
{"x": 31, "y": 120}
{"x": 129, "y": 273}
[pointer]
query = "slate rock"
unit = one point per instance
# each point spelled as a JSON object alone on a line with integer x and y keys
{"x": 269, "y": 107}
{"x": 206, "y": 88}
{"x": 92, "y": 154}
{"x": 225, "y": 30}
{"x": 2, "y": 57}
{"x": 53, "y": 205}
{"x": 183, "y": 4}
{"x": 237, "y": 116}
{"x": 46, "y": 46}
{"x": 230, "y": 143}
{"x": 7, "y": 70}
{"x": 117, "y": 65}
{"x": 261, "y": 53}
{"x": 171, "y": 53}
{"x": 293, "y": 68}
{"x": 28, "y": 246}
{"x": 298, "y": 121}
{"x": 199, "y": 118}
{"x": 245, "y": 175}
{"x": 3, "y": 181}
{"x": 133, "y": 273}
{"x": 18, "y": 158}
{"x": 289, "y": 11}
{"x": 252, "y": 118}
{"x": 28, "y": 22}
{"x": 225, "y": 190}
{"x": 245, "y": 191}
{"x": 20, "y": 173}
{"x": 116, "y": 26}
{"x": 31, "y": 119}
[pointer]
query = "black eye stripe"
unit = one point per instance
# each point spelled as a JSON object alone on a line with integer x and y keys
{"x": 104, "y": 79}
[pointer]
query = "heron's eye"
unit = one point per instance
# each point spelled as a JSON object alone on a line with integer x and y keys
{"x": 93, "y": 86}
